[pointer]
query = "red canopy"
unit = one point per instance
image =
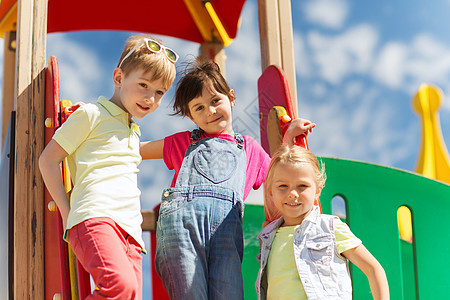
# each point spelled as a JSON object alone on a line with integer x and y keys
{"x": 5, "y": 6}
{"x": 170, "y": 17}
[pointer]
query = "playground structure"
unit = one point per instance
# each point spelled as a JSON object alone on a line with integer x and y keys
{"x": 365, "y": 188}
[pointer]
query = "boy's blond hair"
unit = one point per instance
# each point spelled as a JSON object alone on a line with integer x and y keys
{"x": 156, "y": 63}
{"x": 291, "y": 155}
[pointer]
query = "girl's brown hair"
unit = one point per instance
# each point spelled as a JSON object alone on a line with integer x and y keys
{"x": 190, "y": 86}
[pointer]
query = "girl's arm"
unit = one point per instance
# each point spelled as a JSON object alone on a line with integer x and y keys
{"x": 297, "y": 127}
{"x": 49, "y": 164}
{"x": 364, "y": 260}
{"x": 152, "y": 149}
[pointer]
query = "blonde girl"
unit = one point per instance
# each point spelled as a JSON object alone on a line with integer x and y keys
{"x": 303, "y": 254}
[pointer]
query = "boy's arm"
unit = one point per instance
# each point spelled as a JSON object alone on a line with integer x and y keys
{"x": 49, "y": 164}
{"x": 152, "y": 149}
{"x": 297, "y": 127}
{"x": 364, "y": 260}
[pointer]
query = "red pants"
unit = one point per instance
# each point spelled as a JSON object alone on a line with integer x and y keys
{"x": 111, "y": 256}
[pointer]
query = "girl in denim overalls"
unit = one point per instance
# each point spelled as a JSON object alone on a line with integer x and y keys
{"x": 304, "y": 253}
{"x": 199, "y": 232}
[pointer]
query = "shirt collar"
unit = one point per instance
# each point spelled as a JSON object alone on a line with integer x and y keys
{"x": 135, "y": 127}
{"x": 312, "y": 217}
{"x": 115, "y": 111}
{"x": 112, "y": 108}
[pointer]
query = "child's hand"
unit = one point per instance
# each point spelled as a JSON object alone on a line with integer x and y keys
{"x": 297, "y": 127}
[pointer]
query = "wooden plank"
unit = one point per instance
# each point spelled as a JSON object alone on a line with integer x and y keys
{"x": 36, "y": 205}
{"x": 28, "y": 187}
{"x": 276, "y": 40}
{"x": 39, "y": 42}
{"x": 287, "y": 49}
{"x": 216, "y": 52}
{"x": 9, "y": 63}
{"x": 11, "y": 206}
{"x": 269, "y": 34}
{"x": 150, "y": 217}
{"x": 37, "y": 107}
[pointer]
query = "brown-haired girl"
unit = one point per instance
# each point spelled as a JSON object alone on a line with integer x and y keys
{"x": 199, "y": 232}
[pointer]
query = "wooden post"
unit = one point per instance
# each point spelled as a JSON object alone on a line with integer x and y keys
{"x": 216, "y": 52}
{"x": 276, "y": 39}
{"x": 150, "y": 217}
{"x": 28, "y": 186}
{"x": 9, "y": 63}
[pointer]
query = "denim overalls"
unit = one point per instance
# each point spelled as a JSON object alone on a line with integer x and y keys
{"x": 199, "y": 232}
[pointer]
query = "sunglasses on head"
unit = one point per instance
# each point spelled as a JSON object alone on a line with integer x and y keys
{"x": 154, "y": 47}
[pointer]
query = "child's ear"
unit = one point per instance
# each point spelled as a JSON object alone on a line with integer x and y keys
{"x": 318, "y": 191}
{"x": 232, "y": 98}
{"x": 118, "y": 76}
{"x": 267, "y": 191}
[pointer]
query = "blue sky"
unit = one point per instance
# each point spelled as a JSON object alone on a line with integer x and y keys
{"x": 358, "y": 64}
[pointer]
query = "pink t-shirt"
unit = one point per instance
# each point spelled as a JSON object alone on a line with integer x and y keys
{"x": 175, "y": 147}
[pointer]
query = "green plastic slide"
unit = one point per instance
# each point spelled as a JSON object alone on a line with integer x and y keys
{"x": 372, "y": 195}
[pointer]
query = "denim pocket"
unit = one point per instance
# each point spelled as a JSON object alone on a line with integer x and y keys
{"x": 215, "y": 165}
{"x": 320, "y": 248}
{"x": 171, "y": 205}
{"x": 219, "y": 211}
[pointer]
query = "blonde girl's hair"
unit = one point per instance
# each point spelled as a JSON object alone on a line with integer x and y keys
{"x": 150, "y": 62}
{"x": 291, "y": 155}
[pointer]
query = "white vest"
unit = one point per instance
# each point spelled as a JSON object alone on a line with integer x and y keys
{"x": 322, "y": 270}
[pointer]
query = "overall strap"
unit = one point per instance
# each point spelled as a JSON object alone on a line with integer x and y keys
{"x": 240, "y": 140}
{"x": 196, "y": 136}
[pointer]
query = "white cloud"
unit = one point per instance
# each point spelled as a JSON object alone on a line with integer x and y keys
{"x": 302, "y": 57}
{"x": 360, "y": 132}
{"x": 390, "y": 65}
{"x": 368, "y": 131}
{"x": 404, "y": 66}
{"x": 319, "y": 90}
{"x": 353, "y": 89}
{"x": 342, "y": 55}
{"x": 80, "y": 71}
{"x": 398, "y": 65}
{"x": 243, "y": 70}
{"x": 327, "y": 13}
{"x": 429, "y": 60}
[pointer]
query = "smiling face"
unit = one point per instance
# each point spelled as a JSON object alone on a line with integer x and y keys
{"x": 211, "y": 111}
{"x": 293, "y": 190}
{"x": 137, "y": 93}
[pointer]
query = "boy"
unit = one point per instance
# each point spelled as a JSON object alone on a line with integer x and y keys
{"x": 102, "y": 221}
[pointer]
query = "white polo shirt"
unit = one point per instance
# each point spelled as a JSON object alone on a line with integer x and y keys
{"x": 103, "y": 148}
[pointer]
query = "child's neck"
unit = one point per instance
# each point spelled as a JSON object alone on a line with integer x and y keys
{"x": 290, "y": 225}
{"x": 219, "y": 133}
{"x": 116, "y": 100}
